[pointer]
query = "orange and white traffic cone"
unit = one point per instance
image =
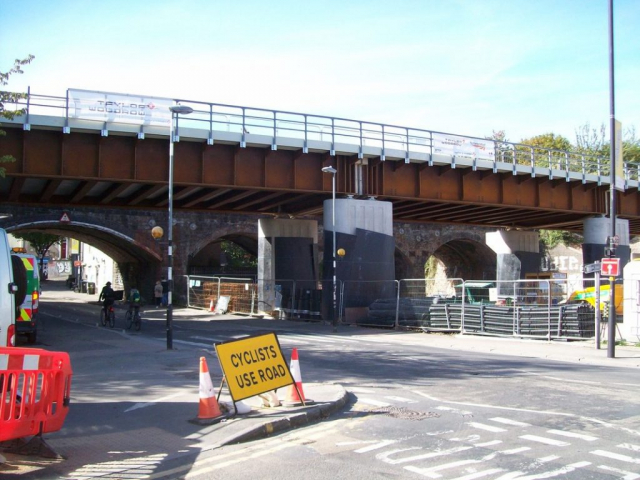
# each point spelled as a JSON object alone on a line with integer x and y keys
{"x": 209, "y": 408}
{"x": 212, "y": 307}
{"x": 292, "y": 397}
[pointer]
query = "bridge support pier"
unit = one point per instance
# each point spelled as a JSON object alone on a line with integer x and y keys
{"x": 596, "y": 230}
{"x": 287, "y": 261}
{"x": 518, "y": 253}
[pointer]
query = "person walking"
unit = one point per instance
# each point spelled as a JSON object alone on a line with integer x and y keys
{"x": 157, "y": 293}
{"x": 165, "y": 292}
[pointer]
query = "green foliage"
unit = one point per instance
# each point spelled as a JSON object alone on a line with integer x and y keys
{"x": 237, "y": 256}
{"x": 549, "y": 141}
{"x": 41, "y": 242}
{"x": 8, "y": 97}
{"x": 552, "y": 238}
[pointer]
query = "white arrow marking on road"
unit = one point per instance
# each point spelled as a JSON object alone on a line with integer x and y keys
{"x": 149, "y": 404}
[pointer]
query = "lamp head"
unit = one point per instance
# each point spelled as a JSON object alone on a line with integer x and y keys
{"x": 157, "y": 232}
{"x": 181, "y": 109}
{"x": 329, "y": 170}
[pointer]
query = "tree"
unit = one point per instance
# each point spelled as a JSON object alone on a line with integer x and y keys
{"x": 552, "y": 238}
{"x": 9, "y": 97}
{"x": 237, "y": 256}
{"x": 594, "y": 141}
{"x": 40, "y": 242}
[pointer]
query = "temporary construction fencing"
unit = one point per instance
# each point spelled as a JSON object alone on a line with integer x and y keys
{"x": 35, "y": 391}
{"x": 527, "y": 308}
{"x": 238, "y": 295}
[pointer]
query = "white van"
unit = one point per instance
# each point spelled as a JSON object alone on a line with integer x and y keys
{"x": 8, "y": 291}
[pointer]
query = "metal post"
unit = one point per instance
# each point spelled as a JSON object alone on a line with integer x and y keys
{"x": 333, "y": 223}
{"x": 175, "y": 110}
{"x": 611, "y": 342}
{"x": 170, "y": 242}
{"x": 598, "y": 312}
{"x": 333, "y": 172}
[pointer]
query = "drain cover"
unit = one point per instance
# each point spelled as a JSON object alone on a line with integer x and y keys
{"x": 403, "y": 413}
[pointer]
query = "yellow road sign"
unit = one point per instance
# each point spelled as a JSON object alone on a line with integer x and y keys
{"x": 253, "y": 365}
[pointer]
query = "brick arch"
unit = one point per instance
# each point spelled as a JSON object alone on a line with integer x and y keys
{"x": 205, "y": 256}
{"x": 416, "y": 243}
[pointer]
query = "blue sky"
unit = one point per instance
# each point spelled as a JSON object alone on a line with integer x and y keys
{"x": 458, "y": 66}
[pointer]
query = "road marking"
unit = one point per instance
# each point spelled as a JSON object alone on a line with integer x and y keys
{"x": 627, "y": 475}
{"x": 581, "y": 436}
{"x": 454, "y": 410}
{"x": 484, "y": 473}
{"x": 361, "y": 390}
{"x": 384, "y": 457}
{"x": 553, "y": 473}
{"x": 545, "y": 440}
{"x": 508, "y": 421}
{"x": 548, "y": 459}
{"x": 431, "y": 472}
{"x": 488, "y": 444}
{"x": 376, "y": 446}
{"x": 629, "y": 446}
{"x": 263, "y": 448}
{"x": 617, "y": 456}
{"x": 528, "y": 410}
{"x": 210, "y": 339}
{"x": 402, "y": 399}
{"x": 370, "y": 401}
{"x": 150, "y": 404}
{"x": 488, "y": 428}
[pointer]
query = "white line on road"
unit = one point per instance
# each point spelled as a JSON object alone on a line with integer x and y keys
{"x": 376, "y": 446}
{"x": 617, "y": 456}
{"x": 528, "y": 410}
{"x": 150, "y": 404}
{"x": 488, "y": 428}
{"x": 548, "y": 459}
{"x": 484, "y": 473}
{"x": 629, "y": 446}
{"x": 210, "y": 339}
{"x": 402, "y": 399}
{"x": 431, "y": 472}
{"x": 627, "y": 475}
{"x": 545, "y": 440}
{"x": 554, "y": 473}
{"x": 581, "y": 436}
{"x": 454, "y": 410}
{"x": 371, "y": 401}
{"x": 488, "y": 444}
{"x": 361, "y": 390}
{"x": 440, "y": 453}
{"x": 508, "y": 421}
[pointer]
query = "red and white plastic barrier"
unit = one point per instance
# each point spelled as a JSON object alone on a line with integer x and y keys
{"x": 35, "y": 389}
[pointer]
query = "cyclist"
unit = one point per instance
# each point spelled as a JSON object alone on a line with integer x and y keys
{"x": 134, "y": 301}
{"x": 107, "y": 296}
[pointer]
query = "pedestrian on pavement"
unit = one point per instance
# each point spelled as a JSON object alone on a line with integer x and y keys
{"x": 165, "y": 292}
{"x": 157, "y": 293}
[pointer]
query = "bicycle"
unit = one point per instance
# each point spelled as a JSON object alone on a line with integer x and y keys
{"x": 110, "y": 316}
{"x": 132, "y": 318}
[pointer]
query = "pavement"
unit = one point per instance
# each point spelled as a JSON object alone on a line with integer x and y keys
{"x": 168, "y": 382}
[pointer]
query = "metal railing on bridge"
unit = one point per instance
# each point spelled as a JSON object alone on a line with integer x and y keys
{"x": 365, "y": 138}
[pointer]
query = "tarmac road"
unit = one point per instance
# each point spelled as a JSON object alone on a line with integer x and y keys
{"x": 132, "y": 399}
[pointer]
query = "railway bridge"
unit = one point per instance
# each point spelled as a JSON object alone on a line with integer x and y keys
{"x": 104, "y": 159}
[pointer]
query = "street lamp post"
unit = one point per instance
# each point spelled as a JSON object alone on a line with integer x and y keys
{"x": 611, "y": 340}
{"x": 175, "y": 111}
{"x": 333, "y": 172}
